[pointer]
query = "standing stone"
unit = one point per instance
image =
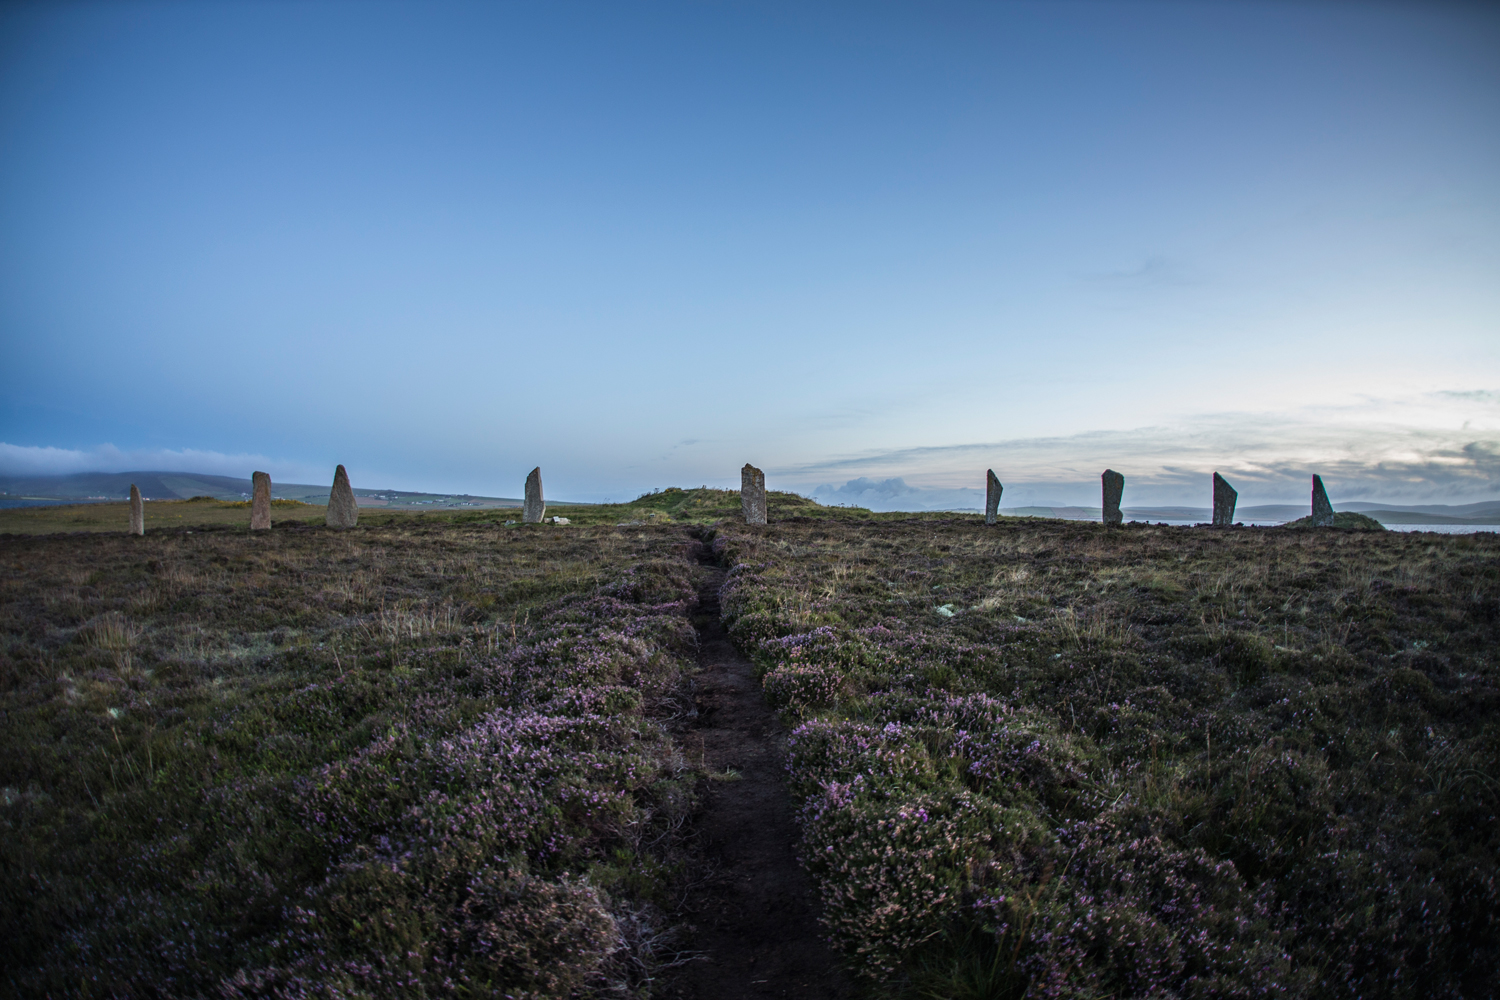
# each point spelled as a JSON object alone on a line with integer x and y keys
{"x": 1224, "y": 499}
{"x": 1322, "y": 514}
{"x": 1114, "y": 488}
{"x": 992, "y": 491}
{"x": 753, "y": 494}
{"x": 260, "y": 502}
{"x": 535, "y": 508}
{"x": 342, "y": 510}
{"x": 137, "y": 512}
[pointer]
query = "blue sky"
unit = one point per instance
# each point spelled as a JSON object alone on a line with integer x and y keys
{"x": 641, "y": 244}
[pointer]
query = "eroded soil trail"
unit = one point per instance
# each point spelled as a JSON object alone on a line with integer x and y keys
{"x": 755, "y": 921}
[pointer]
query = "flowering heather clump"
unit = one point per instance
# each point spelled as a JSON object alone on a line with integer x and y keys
{"x": 825, "y": 645}
{"x": 803, "y": 688}
{"x": 367, "y": 763}
{"x": 891, "y": 866}
{"x": 1142, "y": 762}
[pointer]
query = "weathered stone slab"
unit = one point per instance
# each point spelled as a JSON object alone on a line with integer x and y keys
{"x": 260, "y": 502}
{"x": 992, "y": 491}
{"x": 753, "y": 494}
{"x": 535, "y": 507}
{"x": 1224, "y": 501}
{"x": 1114, "y": 489}
{"x": 1322, "y": 510}
{"x": 137, "y": 512}
{"x": 343, "y": 512}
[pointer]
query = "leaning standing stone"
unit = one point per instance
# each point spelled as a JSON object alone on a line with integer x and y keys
{"x": 260, "y": 502}
{"x": 753, "y": 494}
{"x": 535, "y": 507}
{"x": 1114, "y": 489}
{"x": 1224, "y": 499}
{"x": 342, "y": 511}
{"x": 1322, "y": 512}
{"x": 992, "y": 491}
{"x": 137, "y": 512}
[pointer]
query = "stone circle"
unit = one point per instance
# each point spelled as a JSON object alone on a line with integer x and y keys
{"x": 1322, "y": 510}
{"x": 1225, "y": 497}
{"x": 535, "y": 508}
{"x": 1114, "y": 489}
{"x": 343, "y": 512}
{"x": 260, "y": 502}
{"x": 753, "y": 494}
{"x": 137, "y": 512}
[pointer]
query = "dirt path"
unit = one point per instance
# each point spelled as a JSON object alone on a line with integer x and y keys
{"x": 755, "y": 921}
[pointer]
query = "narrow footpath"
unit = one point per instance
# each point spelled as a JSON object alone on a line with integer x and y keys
{"x": 755, "y": 922}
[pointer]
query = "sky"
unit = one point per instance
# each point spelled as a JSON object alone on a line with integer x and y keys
{"x": 640, "y": 245}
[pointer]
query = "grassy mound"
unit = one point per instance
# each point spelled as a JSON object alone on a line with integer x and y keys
{"x": 1346, "y": 519}
{"x": 699, "y": 506}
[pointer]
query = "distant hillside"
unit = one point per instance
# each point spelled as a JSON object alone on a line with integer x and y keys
{"x": 96, "y": 486}
{"x": 1483, "y": 508}
{"x": 1388, "y": 516}
{"x": 116, "y": 486}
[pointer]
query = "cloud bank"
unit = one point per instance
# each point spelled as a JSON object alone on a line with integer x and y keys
{"x": 896, "y": 494}
{"x": 1440, "y": 447}
{"x": 24, "y": 460}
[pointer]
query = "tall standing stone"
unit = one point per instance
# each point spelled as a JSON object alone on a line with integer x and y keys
{"x": 260, "y": 502}
{"x": 1224, "y": 500}
{"x": 992, "y": 491}
{"x": 1322, "y": 510}
{"x": 753, "y": 494}
{"x": 1114, "y": 489}
{"x": 535, "y": 508}
{"x": 342, "y": 510}
{"x": 137, "y": 512}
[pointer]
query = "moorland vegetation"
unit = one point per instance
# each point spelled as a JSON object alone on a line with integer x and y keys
{"x": 439, "y": 755}
{"x": 671, "y": 505}
{"x": 199, "y": 512}
{"x": 409, "y": 759}
{"x": 1053, "y": 760}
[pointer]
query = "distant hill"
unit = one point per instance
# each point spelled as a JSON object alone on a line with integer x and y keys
{"x": 1405, "y": 516}
{"x": 116, "y": 486}
{"x": 99, "y": 486}
{"x": 1484, "y": 508}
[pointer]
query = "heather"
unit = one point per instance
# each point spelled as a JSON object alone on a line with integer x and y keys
{"x": 1051, "y": 759}
{"x": 411, "y": 759}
